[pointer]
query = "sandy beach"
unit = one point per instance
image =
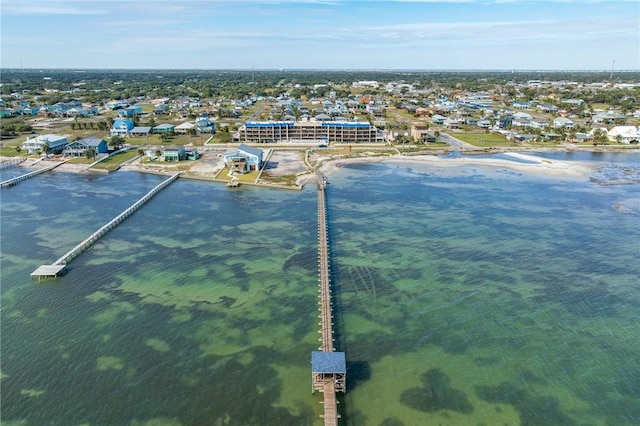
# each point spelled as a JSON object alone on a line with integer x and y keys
{"x": 522, "y": 163}
{"x": 291, "y": 162}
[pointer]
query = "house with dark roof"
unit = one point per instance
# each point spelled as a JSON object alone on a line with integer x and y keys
{"x": 79, "y": 147}
{"x": 243, "y": 159}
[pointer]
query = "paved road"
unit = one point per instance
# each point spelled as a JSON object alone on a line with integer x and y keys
{"x": 457, "y": 144}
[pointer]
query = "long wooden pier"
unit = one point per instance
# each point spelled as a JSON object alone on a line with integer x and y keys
{"x": 56, "y": 267}
{"x": 17, "y": 179}
{"x": 328, "y": 366}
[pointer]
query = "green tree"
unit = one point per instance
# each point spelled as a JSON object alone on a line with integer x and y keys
{"x": 116, "y": 141}
{"x": 18, "y": 149}
{"x": 90, "y": 153}
{"x": 599, "y": 137}
{"x": 140, "y": 152}
{"x": 158, "y": 153}
{"x": 192, "y": 132}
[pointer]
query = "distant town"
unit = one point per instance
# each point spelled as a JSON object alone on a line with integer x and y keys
{"x": 173, "y": 116}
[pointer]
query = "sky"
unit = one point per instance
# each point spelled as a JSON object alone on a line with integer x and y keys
{"x": 321, "y": 34}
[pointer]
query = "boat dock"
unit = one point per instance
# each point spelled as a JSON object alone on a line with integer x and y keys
{"x": 18, "y": 179}
{"x": 58, "y": 266}
{"x": 328, "y": 368}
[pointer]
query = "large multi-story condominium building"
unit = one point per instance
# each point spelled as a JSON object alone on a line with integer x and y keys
{"x": 306, "y": 132}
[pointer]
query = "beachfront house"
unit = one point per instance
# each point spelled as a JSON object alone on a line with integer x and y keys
{"x": 243, "y": 159}
{"x": 79, "y": 147}
{"x": 174, "y": 154}
{"x": 53, "y": 144}
{"x": 421, "y": 133}
{"x": 624, "y": 134}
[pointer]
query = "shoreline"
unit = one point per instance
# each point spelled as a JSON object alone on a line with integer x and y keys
{"x": 522, "y": 162}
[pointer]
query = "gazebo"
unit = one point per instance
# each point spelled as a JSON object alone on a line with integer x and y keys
{"x": 328, "y": 366}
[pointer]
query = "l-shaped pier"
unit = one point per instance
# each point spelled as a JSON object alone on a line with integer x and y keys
{"x": 58, "y": 266}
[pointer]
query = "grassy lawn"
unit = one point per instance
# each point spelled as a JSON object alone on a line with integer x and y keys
{"x": 482, "y": 139}
{"x": 10, "y": 151}
{"x": 281, "y": 180}
{"x": 247, "y": 177}
{"x": 401, "y": 113}
{"x": 80, "y": 160}
{"x": 114, "y": 161}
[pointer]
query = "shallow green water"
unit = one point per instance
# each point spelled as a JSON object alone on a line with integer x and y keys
{"x": 466, "y": 298}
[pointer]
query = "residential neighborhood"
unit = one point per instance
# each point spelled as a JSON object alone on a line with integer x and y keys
{"x": 78, "y": 119}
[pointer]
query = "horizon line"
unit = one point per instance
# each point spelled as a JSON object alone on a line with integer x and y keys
{"x": 506, "y": 70}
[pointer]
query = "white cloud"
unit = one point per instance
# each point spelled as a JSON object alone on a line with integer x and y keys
{"x": 49, "y": 8}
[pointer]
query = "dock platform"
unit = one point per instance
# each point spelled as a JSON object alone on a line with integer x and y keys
{"x": 48, "y": 271}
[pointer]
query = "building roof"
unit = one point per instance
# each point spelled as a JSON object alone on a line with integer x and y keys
{"x": 90, "y": 141}
{"x": 624, "y": 131}
{"x": 186, "y": 125}
{"x": 119, "y": 123}
{"x": 328, "y": 362}
{"x": 250, "y": 150}
{"x": 140, "y": 129}
{"x": 164, "y": 126}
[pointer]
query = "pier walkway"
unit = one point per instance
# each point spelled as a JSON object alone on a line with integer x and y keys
{"x": 56, "y": 267}
{"x": 328, "y": 367}
{"x": 16, "y": 180}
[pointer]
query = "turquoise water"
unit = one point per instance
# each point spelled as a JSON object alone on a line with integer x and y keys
{"x": 461, "y": 298}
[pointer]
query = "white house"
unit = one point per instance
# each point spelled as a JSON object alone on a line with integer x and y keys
{"x": 624, "y": 134}
{"x": 54, "y": 144}
{"x": 539, "y": 124}
{"x": 563, "y": 122}
{"x": 184, "y": 127}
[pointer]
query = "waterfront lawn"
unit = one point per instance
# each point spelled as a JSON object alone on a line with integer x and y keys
{"x": 247, "y": 177}
{"x": 482, "y": 139}
{"x": 80, "y": 160}
{"x": 113, "y": 162}
{"x": 9, "y": 151}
